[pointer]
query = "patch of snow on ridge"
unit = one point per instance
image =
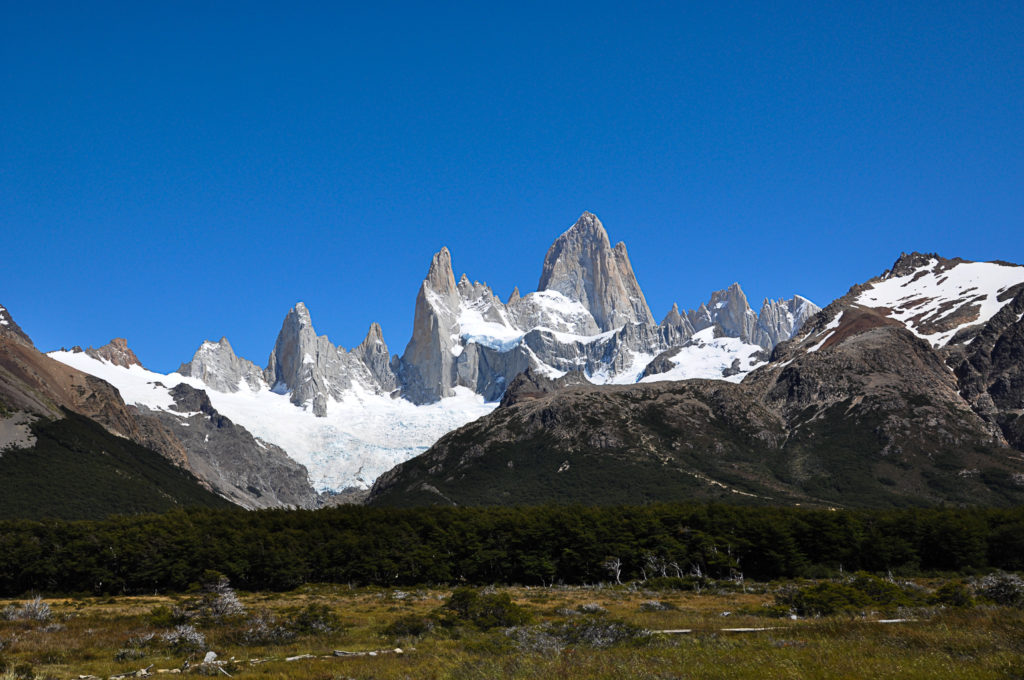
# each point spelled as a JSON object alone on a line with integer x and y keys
{"x": 925, "y": 297}
{"x": 362, "y": 436}
{"x": 827, "y": 331}
{"x": 705, "y": 356}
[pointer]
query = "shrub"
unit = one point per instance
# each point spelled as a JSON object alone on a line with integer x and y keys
{"x": 855, "y": 594}
{"x": 219, "y": 600}
{"x": 409, "y": 625}
{"x": 262, "y": 628}
{"x": 314, "y": 618}
{"x": 655, "y": 606}
{"x": 1002, "y": 588}
{"x": 953, "y": 594}
{"x": 184, "y": 638}
{"x": 822, "y": 599}
{"x": 483, "y": 610}
{"x": 597, "y": 631}
{"x": 23, "y": 671}
{"x": 33, "y": 610}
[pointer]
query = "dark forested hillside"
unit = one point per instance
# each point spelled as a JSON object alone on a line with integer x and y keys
{"x": 78, "y": 470}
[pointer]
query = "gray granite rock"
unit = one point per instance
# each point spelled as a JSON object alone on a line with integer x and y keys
{"x": 582, "y": 265}
{"x": 217, "y": 365}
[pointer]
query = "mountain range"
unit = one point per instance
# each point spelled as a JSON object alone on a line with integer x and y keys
{"x": 919, "y": 365}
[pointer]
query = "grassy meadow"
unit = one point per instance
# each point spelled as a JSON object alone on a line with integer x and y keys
{"x": 948, "y": 630}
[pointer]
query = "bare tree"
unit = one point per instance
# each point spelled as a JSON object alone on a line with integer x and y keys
{"x": 614, "y": 567}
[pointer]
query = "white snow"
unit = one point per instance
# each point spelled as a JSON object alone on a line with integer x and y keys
{"x": 474, "y": 328}
{"x": 361, "y": 437}
{"x": 827, "y": 331}
{"x": 919, "y": 301}
{"x": 705, "y": 356}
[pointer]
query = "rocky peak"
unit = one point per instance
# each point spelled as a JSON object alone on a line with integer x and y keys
{"x": 675, "y": 328}
{"x": 729, "y": 309}
{"x": 373, "y": 352}
{"x": 908, "y": 263}
{"x": 116, "y": 352}
{"x": 427, "y": 368}
{"x": 673, "y": 318}
{"x": 700, "y": 318}
{"x": 440, "y": 277}
{"x": 514, "y": 297}
{"x": 10, "y": 329}
{"x": 780, "y": 319}
{"x": 217, "y": 365}
{"x": 582, "y": 265}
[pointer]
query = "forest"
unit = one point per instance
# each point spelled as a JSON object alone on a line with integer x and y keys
{"x": 283, "y": 549}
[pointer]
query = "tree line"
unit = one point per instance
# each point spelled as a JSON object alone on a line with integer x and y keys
{"x": 282, "y": 549}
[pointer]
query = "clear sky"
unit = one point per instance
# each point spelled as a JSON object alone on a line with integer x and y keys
{"x": 172, "y": 172}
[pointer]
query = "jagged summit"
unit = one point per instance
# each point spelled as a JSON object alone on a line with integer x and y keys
{"x": 116, "y": 352}
{"x": 582, "y": 265}
{"x": 217, "y": 365}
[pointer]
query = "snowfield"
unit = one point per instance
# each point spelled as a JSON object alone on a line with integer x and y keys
{"x": 361, "y": 437}
{"x": 705, "y": 356}
{"x": 932, "y": 294}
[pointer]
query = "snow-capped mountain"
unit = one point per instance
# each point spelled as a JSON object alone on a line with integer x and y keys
{"x": 349, "y": 415}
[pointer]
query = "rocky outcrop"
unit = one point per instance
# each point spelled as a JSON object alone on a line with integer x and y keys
{"x": 582, "y": 265}
{"x": 778, "y": 320}
{"x": 675, "y": 328}
{"x": 115, "y": 352}
{"x": 990, "y": 369}
{"x": 311, "y": 369}
{"x": 245, "y": 470}
{"x": 217, "y": 365}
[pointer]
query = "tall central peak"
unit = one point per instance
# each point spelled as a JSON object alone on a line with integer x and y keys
{"x": 582, "y": 265}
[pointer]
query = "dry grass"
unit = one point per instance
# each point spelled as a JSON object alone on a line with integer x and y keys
{"x": 983, "y": 642}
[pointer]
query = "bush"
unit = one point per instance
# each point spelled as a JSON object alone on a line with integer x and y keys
{"x": 314, "y": 619}
{"x": 185, "y": 638}
{"x": 1001, "y": 588}
{"x": 409, "y": 625}
{"x": 655, "y": 606}
{"x": 23, "y": 671}
{"x": 822, "y": 599}
{"x": 483, "y": 610}
{"x": 262, "y": 628}
{"x": 33, "y": 610}
{"x": 854, "y": 595}
{"x": 597, "y": 631}
{"x": 953, "y": 594}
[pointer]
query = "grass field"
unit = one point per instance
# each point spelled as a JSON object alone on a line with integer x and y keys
{"x": 559, "y": 632}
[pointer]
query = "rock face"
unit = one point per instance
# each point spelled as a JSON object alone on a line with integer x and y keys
{"x": 216, "y": 364}
{"x": 241, "y": 468}
{"x": 116, "y": 352}
{"x": 582, "y": 265}
{"x": 312, "y": 370}
{"x": 427, "y": 367}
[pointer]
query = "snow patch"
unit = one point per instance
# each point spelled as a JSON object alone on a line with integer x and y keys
{"x": 708, "y": 357}
{"x": 926, "y": 297}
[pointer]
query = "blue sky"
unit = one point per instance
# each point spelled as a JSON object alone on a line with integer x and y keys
{"x": 171, "y": 172}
